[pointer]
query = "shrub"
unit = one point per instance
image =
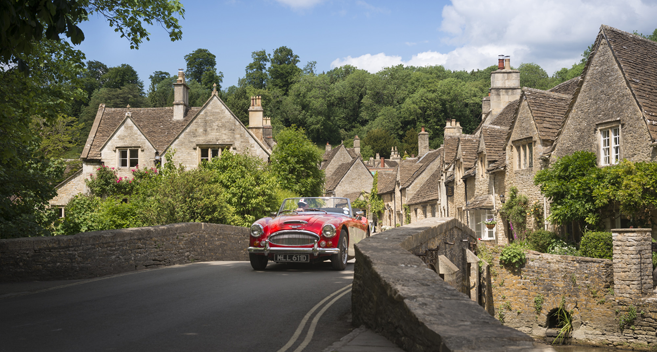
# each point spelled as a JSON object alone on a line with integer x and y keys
{"x": 540, "y": 240}
{"x": 513, "y": 255}
{"x": 597, "y": 245}
{"x": 81, "y": 215}
{"x": 560, "y": 247}
{"x": 515, "y": 210}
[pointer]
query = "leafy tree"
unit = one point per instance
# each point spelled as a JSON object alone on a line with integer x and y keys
{"x": 162, "y": 95}
{"x": 652, "y": 36}
{"x": 380, "y": 141}
{"x": 198, "y": 62}
{"x": 256, "y": 71}
{"x": 295, "y": 162}
{"x": 56, "y": 136}
{"x": 410, "y": 143}
{"x": 569, "y": 183}
{"x": 121, "y": 76}
{"x": 129, "y": 94}
{"x": 533, "y": 76}
{"x": 566, "y": 74}
{"x": 210, "y": 78}
{"x": 156, "y": 78}
{"x": 26, "y": 23}
{"x": 283, "y": 70}
{"x": 310, "y": 68}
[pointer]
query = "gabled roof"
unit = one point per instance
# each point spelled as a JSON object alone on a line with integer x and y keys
{"x": 506, "y": 116}
{"x": 156, "y": 124}
{"x": 352, "y": 152}
{"x": 497, "y": 166}
{"x": 333, "y": 180}
{"x": 548, "y": 110}
{"x": 406, "y": 170}
{"x": 637, "y": 59}
{"x": 386, "y": 182}
{"x": 471, "y": 172}
{"x": 327, "y": 157}
{"x": 494, "y": 139}
{"x": 468, "y": 148}
{"x": 450, "y": 146}
{"x": 429, "y": 191}
{"x": 424, "y": 162}
{"x": 568, "y": 87}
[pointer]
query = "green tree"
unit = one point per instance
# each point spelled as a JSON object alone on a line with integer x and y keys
{"x": 162, "y": 95}
{"x": 199, "y": 62}
{"x": 381, "y": 141}
{"x": 121, "y": 76}
{"x": 129, "y": 94}
{"x": 56, "y": 136}
{"x": 25, "y": 23}
{"x": 295, "y": 162}
{"x": 156, "y": 78}
{"x": 310, "y": 68}
{"x": 652, "y": 36}
{"x": 409, "y": 143}
{"x": 283, "y": 69}
{"x": 533, "y": 76}
{"x": 210, "y": 78}
{"x": 256, "y": 71}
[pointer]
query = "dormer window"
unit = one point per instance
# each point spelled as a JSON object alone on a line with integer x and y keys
{"x": 128, "y": 157}
{"x": 524, "y": 154}
{"x": 610, "y": 146}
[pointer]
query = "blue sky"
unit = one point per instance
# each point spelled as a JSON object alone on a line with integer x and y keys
{"x": 459, "y": 34}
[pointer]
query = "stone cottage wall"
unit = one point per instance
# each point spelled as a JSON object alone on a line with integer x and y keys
{"x": 99, "y": 253}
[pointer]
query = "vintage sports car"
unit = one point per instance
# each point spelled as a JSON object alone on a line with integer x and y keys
{"x": 305, "y": 230}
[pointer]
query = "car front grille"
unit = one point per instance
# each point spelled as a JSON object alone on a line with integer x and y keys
{"x": 293, "y": 239}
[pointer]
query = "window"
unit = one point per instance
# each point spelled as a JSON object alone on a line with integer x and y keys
{"x": 477, "y": 218}
{"x": 525, "y": 155}
{"x": 433, "y": 211}
{"x": 610, "y": 153}
{"x": 209, "y": 153}
{"x": 128, "y": 157}
{"x": 424, "y": 211}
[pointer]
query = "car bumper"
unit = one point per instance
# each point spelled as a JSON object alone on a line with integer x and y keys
{"x": 315, "y": 250}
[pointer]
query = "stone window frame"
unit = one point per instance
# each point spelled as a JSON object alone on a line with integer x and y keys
{"x": 424, "y": 211}
{"x": 491, "y": 234}
{"x": 482, "y": 165}
{"x": 614, "y": 142}
{"x": 211, "y": 150}
{"x": 523, "y": 153}
{"x": 128, "y": 158}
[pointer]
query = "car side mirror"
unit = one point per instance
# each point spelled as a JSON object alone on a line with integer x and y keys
{"x": 359, "y": 214}
{"x": 273, "y": 214}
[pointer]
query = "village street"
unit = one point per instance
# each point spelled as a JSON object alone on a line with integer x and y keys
{"x": 210, "y": 306}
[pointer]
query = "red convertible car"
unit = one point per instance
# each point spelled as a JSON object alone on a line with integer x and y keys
{"x": 305, "y": 230}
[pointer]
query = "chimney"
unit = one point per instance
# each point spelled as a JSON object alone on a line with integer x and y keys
{"x": 370, "y": 162}
{"x": 394, "y": 155}
{"x": 357, "y": 145}
{"x": 383, "y": 162}
{"x": 504, "y": 87}
{"x": 255, "y": 118}
{"x": 180, "y": 96}
{"x": 328, "y": 147}
{"x": 500, "y": 62}
{"x": 453, "y": 128}
{"x": 422, "y": 142}
{"x": 267, "y": 132}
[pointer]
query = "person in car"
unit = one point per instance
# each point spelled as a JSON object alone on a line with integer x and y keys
{"x": 302, "y": 205}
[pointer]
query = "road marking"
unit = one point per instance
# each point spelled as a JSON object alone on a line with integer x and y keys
{"x": 313, "y": 325}
{"x": 294, "y": 337}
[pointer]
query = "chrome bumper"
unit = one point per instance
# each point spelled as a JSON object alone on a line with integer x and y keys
{"x": 315, "y": 250}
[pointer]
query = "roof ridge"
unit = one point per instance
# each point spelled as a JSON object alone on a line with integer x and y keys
{"x": 564, "y": 83}
{"x": 604, "y": 26}
{"x": 534, "y": 90}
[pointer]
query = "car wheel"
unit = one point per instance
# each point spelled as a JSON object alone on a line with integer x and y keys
{"x": 339, "y": 261}
{"x": 258, "y": 262}
{"x": 368, "y": 232}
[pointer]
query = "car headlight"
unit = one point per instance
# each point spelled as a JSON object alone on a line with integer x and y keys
{"x": 256, "y": 230}
{"x": 328, "y": 230}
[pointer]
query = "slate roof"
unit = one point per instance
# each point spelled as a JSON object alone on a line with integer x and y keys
{"x": 567, "y": 87}
{"x": 429, "y": 190}
{"x": 638, "y": 62}
{"x": 471, "y": 172}
{"x": 352, "y": 152}
{"x": 480, "y": 202}
{"x": 406, "y": 170}
{"x": 156, "y": 124}
{"x": 494, "y": 140}
{"x": 352, "y": 196}
{"x": 386, "y": 182}
{"x": 333, "y": 180}
{"x": 507, "y": 115}
{"x": 548, "y": 109}
{"x": 424, "y": 162}
{"x": 468, "y": 146}
{"x": 498, "y": 165}
{"x": 450, "y": 146}
{"x": 327, "y": 157}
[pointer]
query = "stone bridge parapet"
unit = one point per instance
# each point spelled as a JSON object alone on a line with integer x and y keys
{"x": 395, "y": 294}
{"x": 99, "y": 253}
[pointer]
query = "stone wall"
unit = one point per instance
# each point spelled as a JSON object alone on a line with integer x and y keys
{"x": 66, "y": 190}
{"x": 395, "y": 294}
{"x": 99, "y": 253}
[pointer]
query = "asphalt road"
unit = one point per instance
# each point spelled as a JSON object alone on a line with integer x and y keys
{"x": 211, "y": 306}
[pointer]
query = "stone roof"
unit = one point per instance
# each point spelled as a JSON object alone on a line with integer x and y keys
{"x": 507, "y": 115}
{"x": 471, "y": 172}
{"x": 494, "y": 140}
{"x": 637, "y": 57}
{"x": 567, "y": 87}
{"x": 352, "y": 152}
{"x": 327, "y": 157}
{"x": 352, "y": 196}
{"x": 429, "y": 191}
{"x": 390, "y": 163}
{"x": 333, "y": 180}
{"x": 406, "y": 170}
{"x": 450, "y": 146}
{"x": 481, "y": 202}
{"x": 156, "y": 124}
{"x": 386, "y": 182}
{"x": 468, "y": 146}
{"x": 424, "y": 162}
{"x": 450, "y": 177}
{"x": 548, "y": 110}
{"x": 498, "y": 165}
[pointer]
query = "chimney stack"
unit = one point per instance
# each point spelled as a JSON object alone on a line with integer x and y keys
{"x": 422, "y": 142}
{"x": 180, "y": 96}
{"x": 453, "y": 128}
{"x": 500, "y": 62}
{"x": 256, "y": 118}
{"x": 357, "y": 145}
{"x": 507, "y": 62}
{"x": 328, "y": 147}
{"x": 383, "y": 162}
{"x": 504, "y": 86}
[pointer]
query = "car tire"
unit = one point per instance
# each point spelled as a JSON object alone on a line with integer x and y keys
{"x": 258, "y": 262}
{"x": 339, "y": 261}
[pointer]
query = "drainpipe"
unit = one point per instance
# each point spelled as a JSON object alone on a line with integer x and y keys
{"x": 544, "y": 213}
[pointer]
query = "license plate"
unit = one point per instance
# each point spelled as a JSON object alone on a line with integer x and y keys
{"x": 292, "y": 258}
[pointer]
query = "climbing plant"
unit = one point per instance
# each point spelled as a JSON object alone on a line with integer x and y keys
{"x": 515, "y": 211}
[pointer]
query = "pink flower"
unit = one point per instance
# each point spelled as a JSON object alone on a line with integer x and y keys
{"x": 92, "y": 175}
{"x": 112, "y": 168}
{"x": 117, "y": 181}
{"x": 98, "y": 169}
{"x": 129, "y": 181}
{"x": 133, "y": 170}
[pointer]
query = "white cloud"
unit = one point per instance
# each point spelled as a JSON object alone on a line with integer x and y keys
{"x": 551, "y": 33}
{"x": 371, "y": 9}
{"x": 300, "y": 4}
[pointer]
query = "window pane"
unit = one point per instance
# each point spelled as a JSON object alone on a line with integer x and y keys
{"x": 530, "y": 156}
{"x": 204, "y": 153}
{"x": 134, "y": 157}
{"x": 124, "y": 158}
{"x": 215, "y": 153}
{"x": 616, "y": 145}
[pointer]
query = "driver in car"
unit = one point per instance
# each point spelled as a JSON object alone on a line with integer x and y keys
{"x": 302, "y": 205}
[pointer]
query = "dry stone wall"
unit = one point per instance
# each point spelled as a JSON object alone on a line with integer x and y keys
{"x": 99, "y": 253}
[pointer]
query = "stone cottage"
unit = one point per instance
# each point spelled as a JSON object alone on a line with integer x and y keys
{"x": 126, "y": 138}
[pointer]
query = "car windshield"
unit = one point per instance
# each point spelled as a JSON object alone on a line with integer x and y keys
{"x": 316, "y": 204}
